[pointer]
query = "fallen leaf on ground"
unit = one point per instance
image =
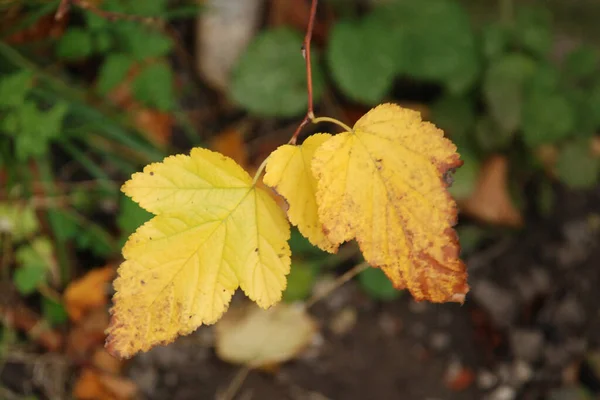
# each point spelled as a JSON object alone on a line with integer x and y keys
{"x": 122, "y": 388}
{"x": 105, "y": 362}
{"x": 87, "y": 335}
{"x": 491, "y": 201}
{"x": 96, "y": 385}
{"x": 231, "y": 144}
{"x": 289, "y": 173}
{"x": 157, "y": 124}
{"x": 88, "y": 292}
{"x": 384, "y": 184}
{"x": 214, "y": 231}
{"x": 89, "y": 387}
{"x": 254, "y": 337}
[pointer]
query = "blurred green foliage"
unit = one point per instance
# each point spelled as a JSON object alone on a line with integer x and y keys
{"x": 64, "y": 145}
{"x": 500, "y": 90}
{"x": 497, "y": 90}
{"x": 270, "y": 78}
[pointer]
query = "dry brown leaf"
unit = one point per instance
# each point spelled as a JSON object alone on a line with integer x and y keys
{"x": 491, "y": 201}
{"x": 88, "y": 292}
{"x": 89, "y": 386}
{"x": 230, "y": 143}
{"x": 121, "y": 388}
{"x": 157, "y": 124}
{"x": 105, "y": 362}
{"x": 88, "y": 334}
{"x": 97, "y": 385}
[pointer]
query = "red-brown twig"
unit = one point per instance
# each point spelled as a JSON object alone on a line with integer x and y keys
{"x": 306, "y": 54}
{"x": 64, "y": 6}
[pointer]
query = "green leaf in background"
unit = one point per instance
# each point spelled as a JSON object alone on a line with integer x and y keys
{"x": 270, "y": 78}
{"x": 576, "y": 166}
{"x": 533, "y": 30}
{"x": 503, "y": 89}
{"x": 31, "y": 270}
{"x": 582, "y": 63}
{"x": 302, "y": 247}
{"x": 75, "y": 44}
{"x": 36, "y": 128}
{"x": 102, "y": 42}
{"x": 86, "y": 237}
{"x": 546, "y": 77}
{"x": 547, "y": 117}
{"x": 131, "y": 216}
{"x": 583, "y": 108}
{"x": 300, "y": 281}
{"x": 454, "y": 114}
{"x": 361, "y": 59}
{"x": 113, "y": 71}
{"x": 465, "y": 177}
{"x": 153, "y": 86}
{"x": 377, "y": 284}
{"x": 66, "y": 227}
{"x": 434, "y": 42}
{"x": 490, "y": 137}
{"x": 20, "y": 221}
{"x": 495, "y": 40}
{"x": 54, "y": 312}
{"x": 141, "y": 41}
{"x": 14, "y": 88}
{"x": 95, "y": 22}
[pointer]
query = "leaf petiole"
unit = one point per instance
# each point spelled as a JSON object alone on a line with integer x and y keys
{"x": 333, "y": 121}
{"x": 259, "y": 171}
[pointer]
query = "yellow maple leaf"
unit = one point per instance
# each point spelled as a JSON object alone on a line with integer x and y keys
{"x": 384, "y": 183}
{"x": 289, "y": 173}
{"x": 214, "y": 231}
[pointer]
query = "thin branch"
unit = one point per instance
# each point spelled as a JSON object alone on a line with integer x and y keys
{"x": 310, "y": 115}
{"x": 351, "y": 273}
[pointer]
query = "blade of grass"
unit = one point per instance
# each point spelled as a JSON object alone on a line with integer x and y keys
{"x": 47, "y": 177}
{"x": 96, "y": 171}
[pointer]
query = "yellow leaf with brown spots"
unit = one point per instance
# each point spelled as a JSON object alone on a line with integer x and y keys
{"x": 289, "y": 173}
{"x": 385, "y": 185}
{"x": 214, "y": 231}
